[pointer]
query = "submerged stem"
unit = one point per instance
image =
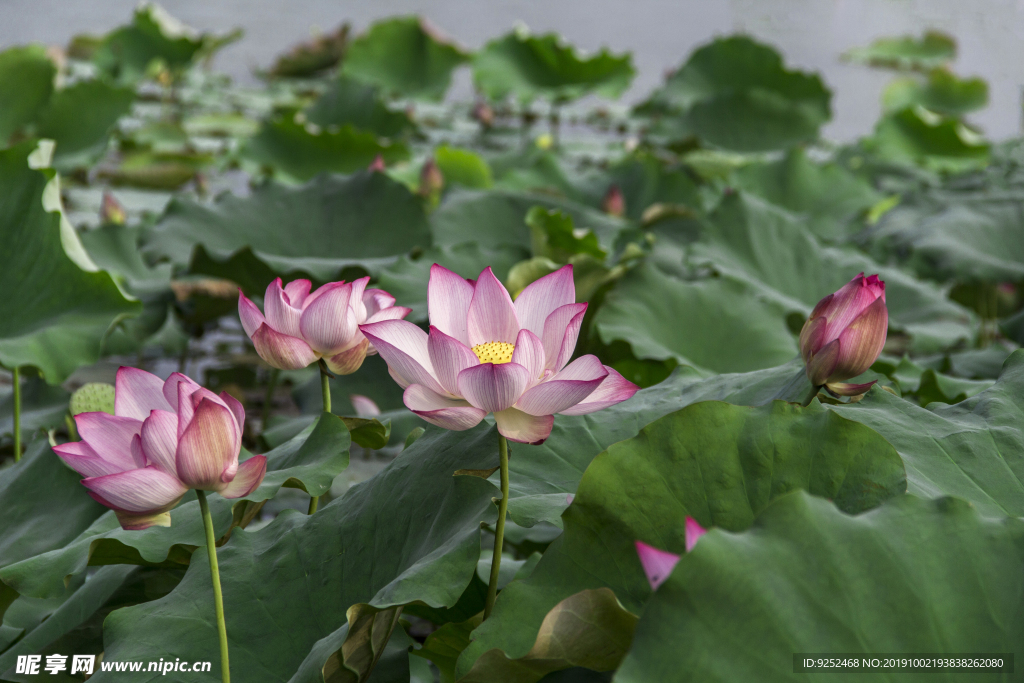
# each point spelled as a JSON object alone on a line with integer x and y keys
{"x": 17, "y": 414}
{"x": 218, "y": 598}
{"x": 499, "y": 527}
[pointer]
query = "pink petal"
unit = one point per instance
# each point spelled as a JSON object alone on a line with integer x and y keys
{"x": 136, "y": 392}
{"x": 442, "y": 411}
{"x": 848, "y": 303}
{"x": 147, "y": 490}
{"x": 561, "y": 330}
{"x": 84, "y": 460}
{"x": 160, "y": 440}
{"x": 281, "y": 315}
{"x": 403, "y": 346}
{"x": 250, "y": 315}
{"x": 842, "y": 389}
{"x": 358, "y": 304}
{"x": 693, "y": 532}
{"x": 448, "y": 299}
{"x": 389, "y": 313}
{"x": 348, "y": 361}
{"x": 516, "y": 425}
{"x": 614, "y": 389}
{"x": 236, "y": 408}
{"x": 109, "y": 436}
{"x": 449, "y": 357}
{"x": 138, "y": 457}
{"x": 247, "y": 479}
{"x": 493, "y": 387}
{"x": 812, "y": 336}
{"x": 209, "y": 446}
{"x": 492, "y": 315}
{"x": 188, "y": 400}
{"x": 566, "y": 389}
{"x": 862, "y": 341}
{"x": 821, "y": 365}
{"x": 364, "y": 405}
{"x": 328, "y": 324}
{"x": 281, "y": 350}
{"x": 529, "y": 353}
{"x": 376, "y": 300}
{"x": 133, "y": 522}
{"x": 297, "y": 291}
{"x": 541, "y": 297}
{"x": 172, "y": 390}
{"x": 658, "y": 564}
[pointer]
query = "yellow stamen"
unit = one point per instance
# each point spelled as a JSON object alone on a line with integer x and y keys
{"x": 494, "y": 352}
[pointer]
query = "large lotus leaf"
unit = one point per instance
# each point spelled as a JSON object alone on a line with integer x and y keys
{"x": 42, "y": 506}
{"x": 912, "y": 576}
{"x": 26, "y": 82}
{"x": 57, "y": 305}
{"x": 79, "y": 119}
{"x": 404, "y": 55}
{"x": 297, "y": 152}
{"x": 719, "y": 463}
{"x": 331, "y": 222}
{"x": 309, "y": 58}
{"x": 350, "y": 102}
{"x": 942, "y": 92}
{"x": 969, "y": 236}
{"x": 154, "y": 35}
{"x": 764, "y": 247}
{"x": 973, "y": 450}
{"x": 385, "y": 543}
{"x": 932, "y": 50}
{"x": 530, "y": 66}
{"x": 660, "y": 316}
{"x": 735, "y": 93}
{"x": 829, "y": 195}
{"x": 310, "y": 461}
{"x": 495, "y": 218}
{"x": 917, "y": 136}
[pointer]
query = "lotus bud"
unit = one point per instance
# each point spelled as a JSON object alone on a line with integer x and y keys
{"x": 431, "y": 179}
{"x": 483, "y": 113}
{"x": 164, "y": 438}
{"x": 658, "y": 564}
{"x": 614, "y": 203}
{"x": 302, "y": 327}
{"x": 111, "y": 210}
{"x": 845, "y": 334}
{"x": 377, "y": 165}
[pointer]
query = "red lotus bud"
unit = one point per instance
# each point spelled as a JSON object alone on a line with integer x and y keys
{"x": 377, "y": 165}
{"x": 614, "y": 203}
{"x": 431, "y": 179}
{"x": 111, "y": 210}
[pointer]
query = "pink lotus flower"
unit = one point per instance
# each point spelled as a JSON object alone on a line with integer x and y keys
{"x": 163, "y": 439}
{"x": 486, "y": 354}
{"x": 300, "y": 328}
{"x": 844, "y": 335}
{"x": 658, "y": 564}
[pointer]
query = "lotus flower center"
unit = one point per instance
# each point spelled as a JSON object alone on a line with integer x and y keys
{"x": 494, "y": 352}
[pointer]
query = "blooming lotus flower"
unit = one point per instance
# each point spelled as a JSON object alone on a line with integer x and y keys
{"x": 485, "y": 354}
{"x": 658, "y": 564}
{"x": 163, "y": 439}
{"x": 844, "y": 335}
{"x": 302, "y": 327}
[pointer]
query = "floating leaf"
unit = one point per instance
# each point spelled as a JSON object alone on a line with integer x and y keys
{"x": 318, "y": 54}
{"x": 933, "y": 49}
{"x": 26, "y": 83}
{"x": 918, "y": 136}
{"x": 463, "y": 167}
{"x": 942, "y": 93}
{"x": 530, "y": 66}
{"x": 351, "y": 102}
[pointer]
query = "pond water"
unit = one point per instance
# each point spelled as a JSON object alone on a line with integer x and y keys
{"x": 811, "y": 34}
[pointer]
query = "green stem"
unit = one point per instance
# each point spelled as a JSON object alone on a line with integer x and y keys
{"x": 499, "y": 528}
{"x": 269, "y": 398}
{"x": 218, "y": 599}
{"x": 17, "y": 414}
{"x": 69, "y": 420}
{"x": 810, "y": 396}
{"x": 325, "y": 388}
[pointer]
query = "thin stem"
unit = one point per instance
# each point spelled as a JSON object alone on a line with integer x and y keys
{"x": 218, "y": 599}
{"x": 499, "y": 528}
{"x": 17, "y": 414}
{"x": 69, "y": 420}
{"x": 269, "y": 398}
{"x": 325, "y": 388}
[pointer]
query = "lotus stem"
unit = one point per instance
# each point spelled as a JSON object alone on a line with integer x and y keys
{"x": 17, "y": 414}
{"x": 810, "y": 396}
{"x": 499, "y": 527}
{"x": 218, "y": 598}
{"x": 325, "y": 388}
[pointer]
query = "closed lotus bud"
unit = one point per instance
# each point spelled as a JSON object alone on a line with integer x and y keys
{"x": 844, "y": 335}
{"x": 431, "y": 179}
{"x": 614, "y": 203}
{"x": 377, "y": 165}
{"x": 111, "y": 210}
